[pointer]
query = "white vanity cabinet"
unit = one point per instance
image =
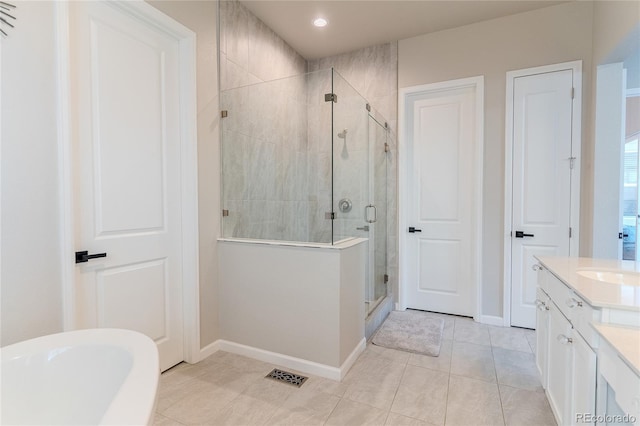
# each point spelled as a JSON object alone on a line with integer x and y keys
{"x": 580, "y": 342}
{"x": 565, "y": 360}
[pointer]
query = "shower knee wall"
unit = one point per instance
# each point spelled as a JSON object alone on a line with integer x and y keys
{"x": 300, "y": 305}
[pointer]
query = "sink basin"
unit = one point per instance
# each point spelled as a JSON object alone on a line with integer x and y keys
{"x": 612, "y": 277}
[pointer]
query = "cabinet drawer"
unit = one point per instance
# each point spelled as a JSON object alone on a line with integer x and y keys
{"x": 621, "y": 378}
{"x": 581, "y": 314}
{"x": 543, "y": 279}
{"x": 576, "y": 309}
{"x": 559, "y": 293}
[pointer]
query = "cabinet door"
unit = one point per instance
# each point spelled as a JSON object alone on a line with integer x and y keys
{"x": 584, "y": 379}
{"x": 559, "y": 365}
{"x": 542, "y": 334}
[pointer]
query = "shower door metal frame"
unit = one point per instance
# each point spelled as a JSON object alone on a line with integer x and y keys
{"x": 373, "y": 203}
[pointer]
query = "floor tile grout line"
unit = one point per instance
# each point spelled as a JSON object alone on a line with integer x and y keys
{"x": 495, "y": 369}
{"x": 446, "y": 404}
{"x": 332, "y": 410}
{"x": 168, "y": 417}
{"x": 395, "y": 394}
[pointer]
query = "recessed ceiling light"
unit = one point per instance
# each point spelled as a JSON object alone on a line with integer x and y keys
{"x": 320, "y": 22}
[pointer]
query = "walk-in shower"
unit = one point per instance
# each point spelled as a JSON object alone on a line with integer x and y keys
{"x": 305, "y": 159}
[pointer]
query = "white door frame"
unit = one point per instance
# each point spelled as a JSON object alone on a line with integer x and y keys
{"x": 189, "y": 162}
{"x": 576, "y": 142}
{"x": 477, "y": 83}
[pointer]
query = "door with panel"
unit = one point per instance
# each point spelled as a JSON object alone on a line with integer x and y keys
{"x": 441, "y": 246}
{"x": 127, "y": 172}
{"x": 543, "y": 162}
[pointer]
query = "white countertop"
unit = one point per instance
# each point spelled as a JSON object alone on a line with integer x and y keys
{"x": 596, "y": 293}
{"x": 625, "y": 340}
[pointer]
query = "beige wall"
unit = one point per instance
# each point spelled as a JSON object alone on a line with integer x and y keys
{"x": 616, "y": 30}
{"x": 546, "y": 36}
{"x": 200, "y": 16}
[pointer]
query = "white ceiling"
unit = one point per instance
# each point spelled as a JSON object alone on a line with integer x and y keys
{"x": 354, "y": 24}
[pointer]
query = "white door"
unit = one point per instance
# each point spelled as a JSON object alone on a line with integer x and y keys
{"x": 442, "y": 145}
{"x": 541, "y": 181}
{"x": 126, "y": 153}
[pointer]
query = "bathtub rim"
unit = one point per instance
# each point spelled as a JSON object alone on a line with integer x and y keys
{"x": 131, "y": 404}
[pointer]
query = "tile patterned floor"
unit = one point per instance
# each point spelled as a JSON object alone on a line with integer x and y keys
{"x": 484, "y": 376}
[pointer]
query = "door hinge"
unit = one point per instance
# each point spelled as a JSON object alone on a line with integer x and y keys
{"x": 224, "y": 113}
{"x": 572, "y": 161}
{"x": 573, "y": 93}
{"x": 225, "y": 213}
{"x": 570, "y": 232}
{"x": 386, "y": 278}
{"x": 330, "y": 97}
{"x": 368, "y": 107}
{"x": 330, "y": 215}
{"x": 386, "y": 147}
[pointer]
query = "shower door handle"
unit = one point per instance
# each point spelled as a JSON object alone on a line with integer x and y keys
{"x": 366, "y": 213}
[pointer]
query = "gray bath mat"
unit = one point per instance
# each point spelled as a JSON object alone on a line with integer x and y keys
{"x": 411, "y": 331}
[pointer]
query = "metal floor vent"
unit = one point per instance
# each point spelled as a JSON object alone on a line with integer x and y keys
{"x": 286, "y": 377}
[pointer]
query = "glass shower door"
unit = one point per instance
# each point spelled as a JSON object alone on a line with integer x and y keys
{"x": 359, "y": 191}
{"x": 350, "y": 162}
{"x": 378, "y": 278}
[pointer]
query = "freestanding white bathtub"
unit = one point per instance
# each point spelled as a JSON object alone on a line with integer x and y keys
{"x": 96, "y": 376}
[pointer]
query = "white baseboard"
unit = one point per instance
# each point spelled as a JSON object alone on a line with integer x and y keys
{"x": 209, "y": 350}
{"x": 492, "y": 320}
{"x": 299, "y": 364}
{"x": 352, "y": 358}
{"x": 400, "y": 308}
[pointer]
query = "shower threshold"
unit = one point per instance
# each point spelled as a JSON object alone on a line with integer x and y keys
{"x": 371, "y": 305}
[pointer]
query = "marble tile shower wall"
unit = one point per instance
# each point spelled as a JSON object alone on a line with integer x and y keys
{"x": 265, "y": 156}
{"x": 264, "y": 140}
{"x": 250, "y": 52}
